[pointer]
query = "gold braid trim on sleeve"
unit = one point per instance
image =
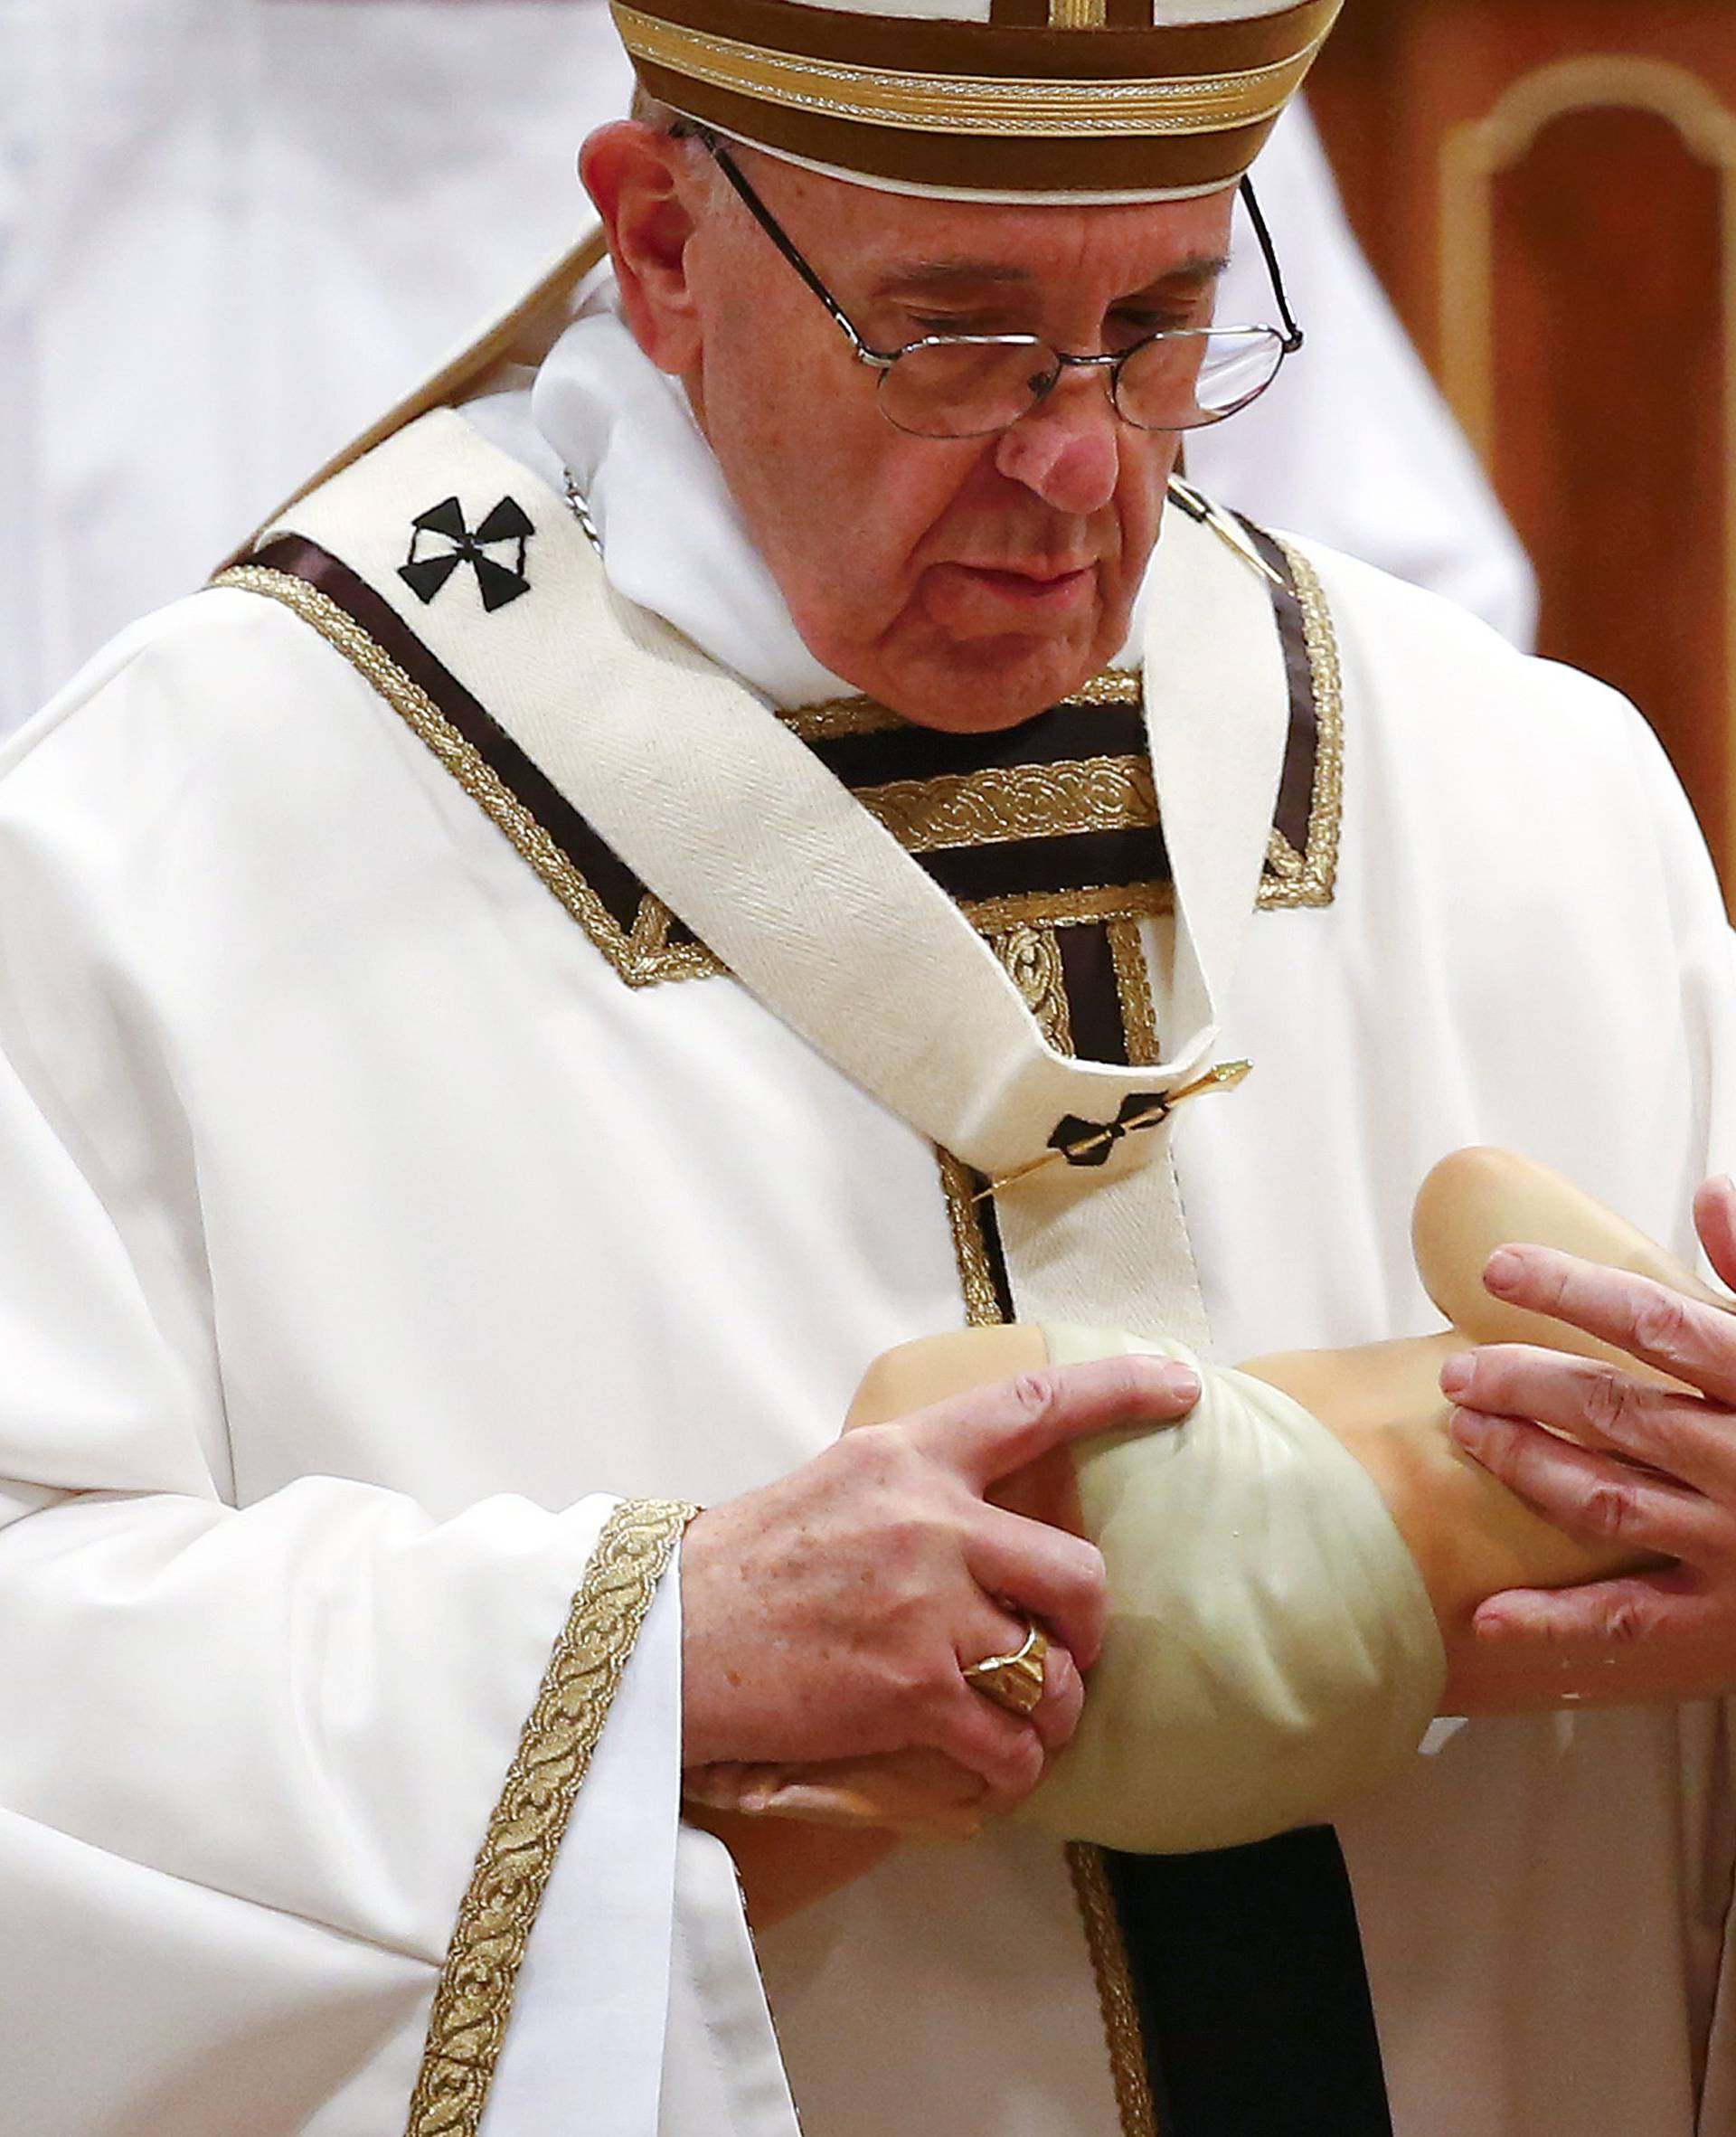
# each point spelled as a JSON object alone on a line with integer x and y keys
{"x": 474, "y": 2001}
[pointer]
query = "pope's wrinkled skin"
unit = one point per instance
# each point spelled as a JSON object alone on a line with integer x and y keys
{"x": 967, "y": 584}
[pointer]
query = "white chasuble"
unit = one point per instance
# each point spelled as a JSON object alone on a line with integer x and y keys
{"x": 415, "y": 1110}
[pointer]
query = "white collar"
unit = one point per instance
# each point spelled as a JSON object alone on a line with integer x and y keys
{"x": 672, "y": 538}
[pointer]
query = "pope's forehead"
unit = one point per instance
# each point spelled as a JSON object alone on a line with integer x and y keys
{"x": 884, "y": 232}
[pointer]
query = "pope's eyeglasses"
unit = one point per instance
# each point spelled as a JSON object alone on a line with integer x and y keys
{"x": 974, "y": 386}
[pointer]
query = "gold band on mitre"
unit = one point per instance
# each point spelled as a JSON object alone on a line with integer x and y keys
{"x": 1046, "y": 99}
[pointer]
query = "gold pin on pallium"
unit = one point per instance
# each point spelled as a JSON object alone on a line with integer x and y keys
{"x": 1207, "y": 513}
{"x": 1093, "y": 1146}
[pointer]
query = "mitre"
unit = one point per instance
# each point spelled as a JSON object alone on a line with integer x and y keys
{"x": 1014, "y": 100}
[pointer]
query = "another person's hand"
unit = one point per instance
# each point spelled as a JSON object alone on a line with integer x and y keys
{"x": 830, "y": 1615}
{"x": 1621, "y": 1457}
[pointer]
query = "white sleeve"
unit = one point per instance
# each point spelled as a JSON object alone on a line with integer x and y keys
{"x": 260, "y": 1759}
{"x": 1685, "y": 883}
{"x": 1355, "y": 445}
{"x": 1706, "y": 970}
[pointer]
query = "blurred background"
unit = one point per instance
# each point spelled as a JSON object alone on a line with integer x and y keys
{"x": 1547, "y": 188}
{"x": 231, "y": 231}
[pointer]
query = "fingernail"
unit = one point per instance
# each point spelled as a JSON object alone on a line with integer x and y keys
{"x": 1183, "y": 1382}
{"x": 1504, "y": 1270}
{"x": 1457, "y": 1373}
{"x": 1469, "y": 1429}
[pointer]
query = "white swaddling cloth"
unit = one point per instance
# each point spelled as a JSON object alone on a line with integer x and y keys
{"x": 1272, "y": 1649}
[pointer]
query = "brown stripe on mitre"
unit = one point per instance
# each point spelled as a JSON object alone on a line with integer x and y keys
{"x": 1072, "y": 14}
{"x": 1113, "y": 166}
{"x": 908, "y": 45}
{"x": 1092, "y": 97}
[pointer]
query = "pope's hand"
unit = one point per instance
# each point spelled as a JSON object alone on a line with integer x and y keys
{"x": 1622, "y": 1458}
{"x": 829, "y": 1615}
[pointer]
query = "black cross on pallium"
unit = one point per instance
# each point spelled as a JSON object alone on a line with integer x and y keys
{"x": 441, "y": 542}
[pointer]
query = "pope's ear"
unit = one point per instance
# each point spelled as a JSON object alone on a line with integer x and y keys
{"x": 647, "y": 193}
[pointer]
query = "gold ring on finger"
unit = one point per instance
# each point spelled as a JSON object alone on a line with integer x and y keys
{"x": 1015, "y": 1681}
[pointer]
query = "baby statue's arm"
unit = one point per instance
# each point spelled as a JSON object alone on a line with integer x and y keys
{"x": 1470, "y": 1538}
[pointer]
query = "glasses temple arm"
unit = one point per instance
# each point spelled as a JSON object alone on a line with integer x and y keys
{"x": 686, "y": 129}
{"x": 1293, "y": 335}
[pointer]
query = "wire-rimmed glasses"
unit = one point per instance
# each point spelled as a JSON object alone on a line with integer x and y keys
{"x": 975, "y": 385}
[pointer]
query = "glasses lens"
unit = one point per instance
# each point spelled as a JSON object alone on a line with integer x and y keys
{"x": 965, "y": 389}
{"x": 1181, "y": 381}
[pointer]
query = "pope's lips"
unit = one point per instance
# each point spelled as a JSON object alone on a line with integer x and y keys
{"x": 1032, "y": 588}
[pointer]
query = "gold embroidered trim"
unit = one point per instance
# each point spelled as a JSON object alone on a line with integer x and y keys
{"x": 644, "y": 956}
{"x": 986, "y": 808}
{"x": 1114, "y": 1991}
{"x": 1077, "y": 15}
{"x": 1295, "y": 879}
{"x": 1034, "y": 108}
{"x": 1005, "y": 803}
{"x": 843, "y": 717}
{"x": 474, "y": 2001}
{"x": 1133, "y": 985}
{"x": 1033, "y": 958}
{"x": 863, "y": 715}
{"x": 1112, "y": 686}
{"x": 1069, "y": 909}
{"x": 970, "y": 1245}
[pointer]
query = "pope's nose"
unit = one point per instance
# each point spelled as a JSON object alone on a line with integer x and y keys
{"x": 1068, "y": 450}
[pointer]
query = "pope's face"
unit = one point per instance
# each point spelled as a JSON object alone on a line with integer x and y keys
{"x": 967, "y": 583}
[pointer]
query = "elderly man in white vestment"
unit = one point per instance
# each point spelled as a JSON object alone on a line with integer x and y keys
{"x": 716, "y": 844}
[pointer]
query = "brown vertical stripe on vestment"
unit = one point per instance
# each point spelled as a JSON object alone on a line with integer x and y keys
{"x": 1296, "y": 789}
{"x": 1093, "y": 998}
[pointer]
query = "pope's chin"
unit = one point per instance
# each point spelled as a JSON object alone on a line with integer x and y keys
{"x": 972, "y": 665}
